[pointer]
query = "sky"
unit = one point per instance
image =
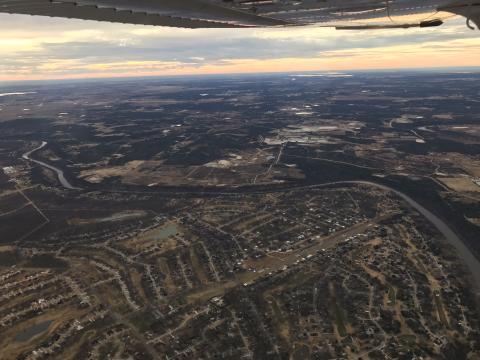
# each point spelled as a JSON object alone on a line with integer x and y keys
{"x": 37, "y": 48}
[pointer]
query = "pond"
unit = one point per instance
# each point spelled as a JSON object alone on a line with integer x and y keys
{"x": 33, "y": 330}
{"x": 166, "y": 232}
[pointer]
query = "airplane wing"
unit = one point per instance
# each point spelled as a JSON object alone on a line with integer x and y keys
{"x": 174, "y": 13}
{"x": 343, "y": 14}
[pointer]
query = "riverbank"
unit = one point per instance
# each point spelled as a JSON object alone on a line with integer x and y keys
{"x": 60, "y": 175}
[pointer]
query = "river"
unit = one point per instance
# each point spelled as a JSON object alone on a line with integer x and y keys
{"x": 60, "y": 175}
{"x": 452, "y": 238}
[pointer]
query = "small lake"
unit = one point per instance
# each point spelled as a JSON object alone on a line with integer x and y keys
{"x": 33, "y": 330}
{"x": 166, "y": 232}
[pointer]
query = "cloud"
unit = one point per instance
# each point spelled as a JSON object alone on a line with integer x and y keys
{"x": 36, "y": 47}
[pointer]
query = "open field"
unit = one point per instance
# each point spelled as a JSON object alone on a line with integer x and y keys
{"x": 461, "y": 184}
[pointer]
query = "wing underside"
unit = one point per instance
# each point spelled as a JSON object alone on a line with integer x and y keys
{"x": 247, "y": 13}
{"x": 176, "y": 13}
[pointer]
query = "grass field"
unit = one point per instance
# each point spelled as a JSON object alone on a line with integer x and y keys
{"x": 392, "y": 295}
{"x": 460, "y": 184}
{"x": 336, "y": 312}
{"x": 440, "y": 309}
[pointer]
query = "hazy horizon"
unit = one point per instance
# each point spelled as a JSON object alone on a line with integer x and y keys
{"x": 439, "y": 70}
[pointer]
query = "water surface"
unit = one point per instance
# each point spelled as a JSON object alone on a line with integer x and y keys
{"x": 166, "y": 232}
{"x": 32, "y": 331}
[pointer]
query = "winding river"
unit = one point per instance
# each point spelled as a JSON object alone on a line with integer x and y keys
{"x": 452, "y": 238}
{"x": 60, "y": 175}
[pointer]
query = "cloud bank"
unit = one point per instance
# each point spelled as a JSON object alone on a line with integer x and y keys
{"x": 44, "y": 48}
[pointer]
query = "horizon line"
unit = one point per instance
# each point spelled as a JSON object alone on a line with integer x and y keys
{"x": 439, "y": 69}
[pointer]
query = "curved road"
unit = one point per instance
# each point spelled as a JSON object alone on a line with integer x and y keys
{"x": 60, "y": 175}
